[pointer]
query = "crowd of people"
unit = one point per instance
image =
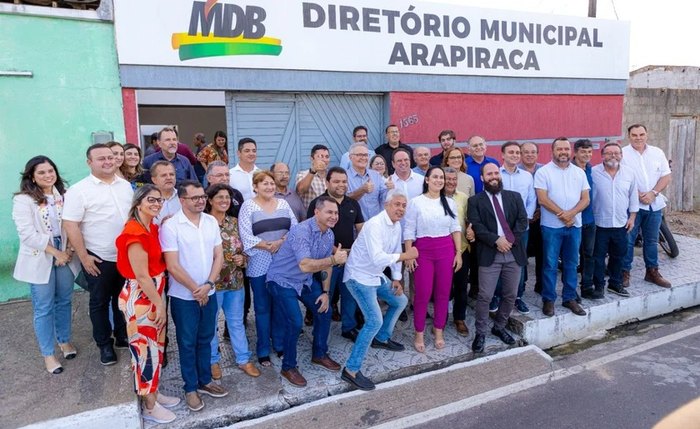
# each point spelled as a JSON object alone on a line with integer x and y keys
{"x": 180, "y": 235}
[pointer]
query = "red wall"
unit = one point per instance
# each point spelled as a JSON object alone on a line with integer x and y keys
{"x": 131, "y": 123}
{"x": 501, "y": 117}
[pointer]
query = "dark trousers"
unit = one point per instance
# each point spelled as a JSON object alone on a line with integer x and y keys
{"x": 459, "y": 288}
{"x": 586, "y": 260}
{"x": 613, "y": 243}
{"x": 473, "y": 274}
{"x": 534, "y": 248}
{"x": 104, "y": 291}
{"x": 508, "y": 272}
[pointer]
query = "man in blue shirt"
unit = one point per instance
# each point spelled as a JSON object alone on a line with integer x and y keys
{"x": 301, "y": 271}
{"x": 583, "y": 152}
{"x": 365, "y": 185}
{"x": 476, "y": 159}
{"x": 167, "y": 140}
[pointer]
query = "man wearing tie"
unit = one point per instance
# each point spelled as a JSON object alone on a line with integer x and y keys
{"x": 498, "y": 219}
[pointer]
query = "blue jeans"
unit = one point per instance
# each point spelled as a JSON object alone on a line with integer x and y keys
{"x": 523, "y": 273}
{"x": 232, "y": 303}
{"x": 348, "y": 306}
{"x": 611, "y": 242}
{"x": 588, "y": 237}
{"x": 52, "y": 308}
{"x": 194, "y": 325}
{"x": 564, "y": 242}
{"x": 649, "y": 222}
{"x": 375, "y": 326}
{"x": 267, "y": 322}
{"x": 287, "y": 305}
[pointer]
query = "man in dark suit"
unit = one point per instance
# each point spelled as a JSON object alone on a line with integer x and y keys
{"x": 498, "y": 219}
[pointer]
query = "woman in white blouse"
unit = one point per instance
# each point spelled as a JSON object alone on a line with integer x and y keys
{"x": 44, "y": 260}
{"x": 432, "y": 227}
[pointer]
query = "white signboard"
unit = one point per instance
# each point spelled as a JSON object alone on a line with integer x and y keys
{"x": 380, "y": 36}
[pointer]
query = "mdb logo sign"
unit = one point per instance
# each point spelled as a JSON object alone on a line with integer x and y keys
{"x": 225, "y": 29}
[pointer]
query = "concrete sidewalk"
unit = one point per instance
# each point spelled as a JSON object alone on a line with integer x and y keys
{"x": 95, "y": 396}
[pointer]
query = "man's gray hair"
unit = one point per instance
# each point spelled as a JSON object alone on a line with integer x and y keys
{"x": 213, "y": 164}
{"x": 394, "y": 193}
{"x": 356, "y": 145}
{"x": 449, "y": 170}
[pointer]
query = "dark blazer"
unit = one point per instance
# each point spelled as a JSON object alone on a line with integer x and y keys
{"x": 482, "y": 217}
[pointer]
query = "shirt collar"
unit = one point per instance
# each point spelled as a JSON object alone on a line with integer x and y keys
{"x": 386, "y": 218}
{"x": 97, "y": 181}
{"x": 238, "y": 168}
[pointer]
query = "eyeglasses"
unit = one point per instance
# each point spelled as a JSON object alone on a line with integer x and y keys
{"x": 454, "y": 158}
{"x": 222, "y": 197}
{"x": 221, "y": 175}
{"x": 361, "y": 155}
{"x": 196, "y": 198}
{"x": 155, "y": 200}
{"x": 281, "y": 173}
{"x": 612, "y": 154}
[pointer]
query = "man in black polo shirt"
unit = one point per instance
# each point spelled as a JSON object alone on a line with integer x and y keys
{"x": 350, "y": 221}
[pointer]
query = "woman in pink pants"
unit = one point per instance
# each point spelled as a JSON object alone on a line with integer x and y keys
{"x": 432, "y": 227}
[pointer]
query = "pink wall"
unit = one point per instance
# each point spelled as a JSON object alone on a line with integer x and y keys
{"x": 131, "y": 124}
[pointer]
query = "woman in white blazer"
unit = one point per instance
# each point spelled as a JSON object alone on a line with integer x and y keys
{"x": 45, "y": 260}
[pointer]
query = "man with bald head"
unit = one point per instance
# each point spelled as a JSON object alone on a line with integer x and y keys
{"x": 281, "y": 172}
{"x": 477, "y": 158}
{"x": 421, "y": 155}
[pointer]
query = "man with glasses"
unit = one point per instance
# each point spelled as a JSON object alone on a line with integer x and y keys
{"x": 281, "y": 172}
{"x": 365, "y": 185}
{"x": 94, "y": 214}
{"x": 217, "y": 172}
{"x": 191, "y": 243}
{"x": 393, "y": 142}
{"x": 477, "y": 158}
{"x": 615, "y": 207}
{"x": 359, "y": 135}
{"x": 447, "y": 139}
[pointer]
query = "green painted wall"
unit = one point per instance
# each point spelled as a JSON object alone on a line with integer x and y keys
{"x": 74, "y": 92}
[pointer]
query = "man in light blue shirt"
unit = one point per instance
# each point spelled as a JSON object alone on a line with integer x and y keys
{"x": 562, "y": 190}
{"x": 615, "y": 206}
{"x": 365, "y": 186}
{"x": 359, "y": 135}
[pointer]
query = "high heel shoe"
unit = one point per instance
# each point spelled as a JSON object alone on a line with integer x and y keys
{"x": 52, "y": 365}
{"x": 69, "y": 352}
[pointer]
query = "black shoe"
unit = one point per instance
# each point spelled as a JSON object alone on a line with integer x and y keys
{"x": 503, "y": 335}
{"x": 309, "y": 318}
{"x": 107, "y": 355}
{"x": 389, "y": 345}
{"x": 350, "y": 335}
{"x": 403, "y": 316}
{"x": 578, "y": 298}
{"x": 359, "y": 380}
{"x": 165, "y": 360}
{"x": 478, "y": 344}
{"x": 121, "y": 343}
{"x": 591, "y": 293}
{"x": 619, "y": 290}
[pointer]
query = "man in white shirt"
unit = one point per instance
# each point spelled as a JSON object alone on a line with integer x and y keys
{"x": 562, "y": 190}
{"x": 404, "y": 178}
{"x": 94, "y": 214}
{"x": 653, "y": 175}
{"x": 191, "y": 243}
{"x": 163, "y": 176}
{"x": 242, "y": 174}
{"x": 615, "y": 206}
{"x": 377, "y": 246}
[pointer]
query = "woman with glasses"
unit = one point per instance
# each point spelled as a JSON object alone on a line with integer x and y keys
{"x": 378, "y": 164}
{"x": 230, "y": 294}
{"x": 140, "y": 260}
{"x": 45, "y": 260}
{"x": 263, "y": 223}
{"x": 455, "y": 158}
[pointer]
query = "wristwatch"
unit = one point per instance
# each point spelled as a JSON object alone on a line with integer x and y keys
{"x": 325, "y": 291}
{"x": 655, "y": 193}
{"x": 210, "y": 283}
{"x": 312, "y": 171}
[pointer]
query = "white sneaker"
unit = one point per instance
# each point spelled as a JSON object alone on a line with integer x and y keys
{"x": 167, "y": 401}
{"x": 158, "y": 414}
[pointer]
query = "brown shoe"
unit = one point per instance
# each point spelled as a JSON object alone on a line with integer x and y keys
{"x": 575, "y": 307}
{"x": 213, "y": 390}
{"x": 194, "y": 401}
{"x": 461, "y": 328}
{"x": 625, "y": 279}
{"x": 216, "y": 371}
{"x": 548, "y": 308}
{"x": 294, "y": 376}
{"x": 654, "y": 276}
{"x": 326, "y": 362}
{"x": 250, "y": 369}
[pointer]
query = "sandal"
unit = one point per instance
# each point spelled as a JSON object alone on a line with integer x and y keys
{"x": 52, "y": 365}
{"x": 69, "y": 352}
{"x": 265, "y": 362}
{"x": 439, "y": 339}
{"x": 418, "y": 342}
